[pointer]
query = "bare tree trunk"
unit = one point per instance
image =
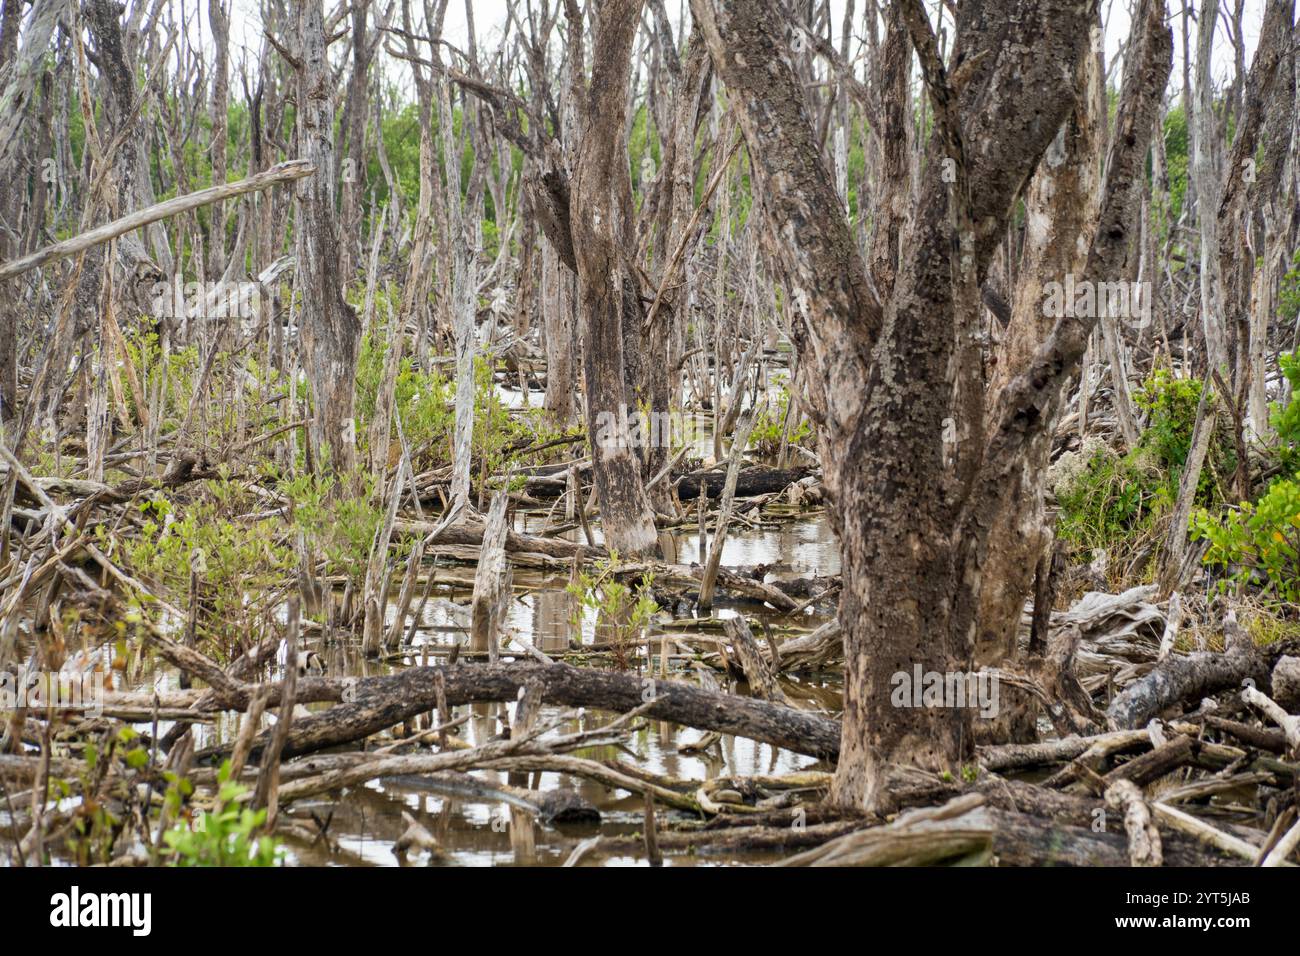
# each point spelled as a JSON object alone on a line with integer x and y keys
{"x": 355, "y": 110}
{"x": 561, "y": 338}
{"x": 219, "y": 19}
{"x": 463, "y": 298}
{"x": 601, "y": 210}
{"x": 1205, "y": 171}
{"x": 491, "y": 581}
{"x": 914, "y": 519}
{"x": 1247, "y": 214}
{"x": 329, "y": 327}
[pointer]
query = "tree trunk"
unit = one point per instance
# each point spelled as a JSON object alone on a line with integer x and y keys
{"x": 1060, "y": 217}
{"x": 914, "y": 511}
{"x": 330, "y": 329}
{"x": 600, "y": 213}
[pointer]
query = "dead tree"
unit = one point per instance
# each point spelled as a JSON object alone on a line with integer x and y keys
{"x": 601, "y": 218}
{"x": 330, "y": 329}
{"x": 890, "y": 380}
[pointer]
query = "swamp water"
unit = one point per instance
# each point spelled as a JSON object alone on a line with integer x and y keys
{"x": 485, "y": 828}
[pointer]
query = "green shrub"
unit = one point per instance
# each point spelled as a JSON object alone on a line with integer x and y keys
{"x": 1108, "y": 500}
{"x": 1289, "y": 292}
{"x": 622, "y": 611}
{"x": 1257, "y": 543}
{"x": 426, "y": 405}
{"x": 1103, "y": 498}
{"x": 237, "y": 562}
{"x": 1286, "y": 419}
{"x": 226, "y": 836}
{"x": 338, "y": 527}
{"x": 769, "y": 424}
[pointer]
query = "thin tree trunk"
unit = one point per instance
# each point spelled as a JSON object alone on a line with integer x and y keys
{"x": 330, "y": 329}
{"x": 601, "y": 200}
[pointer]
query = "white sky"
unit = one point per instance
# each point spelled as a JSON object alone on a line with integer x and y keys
{"x": 490, "y": 15}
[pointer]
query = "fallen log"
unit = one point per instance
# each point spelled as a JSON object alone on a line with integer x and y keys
{"x": 561, "y": 805}
{"x": 771, "y": 839}
{"x": 1153, "y": 764}
{"x": 756, "y": 480}
{"x": 959, "y": 831}
{"x": 470, "y": 533}
{"x": 377, "y": 703}
{"x": 534, "y": 550}
{"x": 812, "y": 650}
{"x": 1003, "y": 757}
{"x": 1181, "y": 677}
{"x": 284, "y": 172}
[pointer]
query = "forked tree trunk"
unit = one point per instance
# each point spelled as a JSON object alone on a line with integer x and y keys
{"x": 914, "y": 512}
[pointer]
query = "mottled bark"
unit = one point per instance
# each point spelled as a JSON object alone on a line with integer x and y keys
{"x": 330, "y": 328}
{"x": 559, "y": 332}
{"x": 600, "y": 216}
{"x": 913, "y": 518}
{"x": 381, "y": 702}
{"x": 1060, "y": 217}
{"x": 12, "y": 99}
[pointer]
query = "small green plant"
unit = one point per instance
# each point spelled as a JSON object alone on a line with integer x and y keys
{"x": 338, "y": 525}
{"x": 622, "y": 611}
{"x": 425, "y": 404}
{"x": 770, "y": 424}
{"x": 422, "y": 400}
{"x": 210, "y": 554}
{"x": 1289, "y": 292}
{"x": 108, "y": 776}
{"x": 1102, "y": 498}
{"x": 228, "y": 835}
{"x": 1285, "y": 419}
{"x": 1257, "y": 544}
{"x": 178, "y": 373}
{"x": 1270, "y": 622}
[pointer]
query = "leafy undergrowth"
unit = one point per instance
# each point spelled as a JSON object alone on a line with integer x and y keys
{"x": 1121, "y": 503}
{"x": 1255, "y": 546}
